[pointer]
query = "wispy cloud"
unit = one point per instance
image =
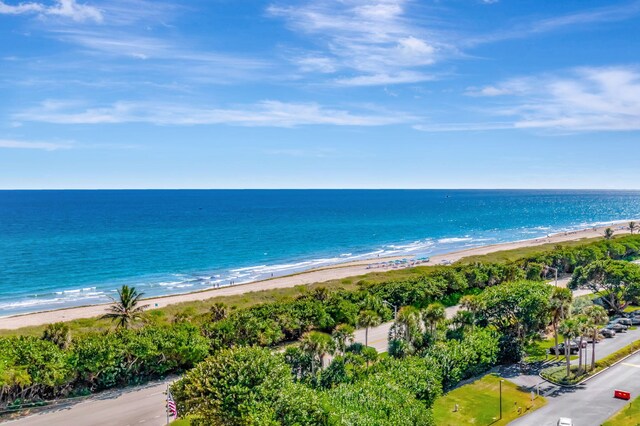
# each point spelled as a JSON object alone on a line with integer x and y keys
{"x": 59, "y": 8}
{"x": 364, "y": 43}
{"x": 618, "y": 12}
{"x": 266, "y": 114}
{"x": 46, "y": 146}
{"x": 580, "y": 100}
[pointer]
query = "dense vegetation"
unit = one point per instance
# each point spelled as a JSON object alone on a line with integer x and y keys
{"x": 434, "y": 354}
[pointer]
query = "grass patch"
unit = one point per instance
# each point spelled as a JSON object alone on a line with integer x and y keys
{"x": 181, "y": 422}
{"x": 628, "y": 416}
{"x": 538, "y": 351}
{"x": 519, "y": 253}
{"x": 479, "y": 403}
{"x": 559, "y": 375}
{"x": 631, "y": 308}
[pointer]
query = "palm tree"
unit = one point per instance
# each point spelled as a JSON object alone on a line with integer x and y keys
{"x": 317, "y": 345}
{"x": 218, "y": 311}
{"x": 341, "y": 334}
{"x": 58, "y": 333}
{"x": 368, "y": 319}
{"x": 125, "y": 310}
{"x": 597, "y": 316}
{"x": 608, "y": 234}
{"x": 632, "y": 226}
{"x": 583, "y": 328}
{"x": 434, "y": 314}
{"x": 570, "y": 329}
{"x": 560, "y": 303}
{"x": 408, "y": 320}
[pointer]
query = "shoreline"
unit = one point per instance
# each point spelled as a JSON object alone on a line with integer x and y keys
{"x": 325, "y": 273}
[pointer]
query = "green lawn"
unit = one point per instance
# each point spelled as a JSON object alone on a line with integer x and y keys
{"x": 539, "y": 351}
{"x": 628, "y": 416}
{"x": 631, "y": 308}
{"x": 559, "y": 375}
{"x": 479, "y": 403}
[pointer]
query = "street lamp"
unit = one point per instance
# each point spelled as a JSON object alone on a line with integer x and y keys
{"x": 395, "y": 309}
{"x": 556, "y": 271}
{"x": 501, "y": 398}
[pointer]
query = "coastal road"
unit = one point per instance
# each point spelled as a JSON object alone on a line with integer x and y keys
{"x": 143, "y": 405}
{"x": 589, "y": 404}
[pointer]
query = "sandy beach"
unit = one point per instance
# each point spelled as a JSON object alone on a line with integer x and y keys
{"x": 313, "y": 276}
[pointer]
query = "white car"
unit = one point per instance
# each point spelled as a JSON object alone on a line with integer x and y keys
{"x": 565, "y": 421}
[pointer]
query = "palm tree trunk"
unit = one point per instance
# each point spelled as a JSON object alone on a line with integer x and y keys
{"x": 567, "y": 355}
{"x": 555, "y": 334}
{"x": 593, "y": 350}
{"x": 366, "y": 336}
{"x": 580, "y": 353}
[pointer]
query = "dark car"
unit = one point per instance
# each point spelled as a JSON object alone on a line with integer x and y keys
{"x": 573, "y": 348}
{"x": 623, "y": 321}
{"x": 617, "y": 327}
{"x": 608, "y": 333}
{"x": 589, "y": 339}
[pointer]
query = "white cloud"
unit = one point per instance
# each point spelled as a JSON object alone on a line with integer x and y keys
{"x": 582, "y": 100}
{"x": 266, "y": 113}
{"x": 366, "y": 43}
{"x": 46, "y": 146}
{"x": 63, "y": 8}
{"x": 584, "y": 18}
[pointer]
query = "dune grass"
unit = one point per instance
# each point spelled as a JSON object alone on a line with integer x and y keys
{"x": 479, "y": 403}
{"x": 628, "y": 416}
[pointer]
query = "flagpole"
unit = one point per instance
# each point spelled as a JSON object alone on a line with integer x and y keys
{"x": 167, "y": 405}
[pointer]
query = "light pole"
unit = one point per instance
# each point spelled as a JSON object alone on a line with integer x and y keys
{"x": 501, "y": 398}
{"x": 556, "y": 271}
{"x": 395, "y": 309}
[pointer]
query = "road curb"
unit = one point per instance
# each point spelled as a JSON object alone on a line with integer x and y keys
{"x": 591, "y": 376}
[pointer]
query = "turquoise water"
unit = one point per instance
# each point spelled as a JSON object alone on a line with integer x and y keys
{"x": 70, "y": 248}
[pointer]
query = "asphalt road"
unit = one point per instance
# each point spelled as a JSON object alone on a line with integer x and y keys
{"x": 589, "y": 404}
{"x": 137, "y": 406}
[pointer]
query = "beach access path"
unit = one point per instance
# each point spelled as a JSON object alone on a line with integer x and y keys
{"x": 342, "y": 271}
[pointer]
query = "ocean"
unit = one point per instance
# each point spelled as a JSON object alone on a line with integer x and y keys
{"x": 71, "y": 248}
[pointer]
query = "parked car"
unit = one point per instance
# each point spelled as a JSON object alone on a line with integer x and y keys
{"x": 617, "y": 327}
{"x": 565, "y": 421}
{"x": 635, "y": 320}
{"x": 622, "y": 320}
{"x": 608, "y": 333}
{"x": 577, "y": 342}
{"x": 589, "y": 339}
{"x": 573, "y": 349}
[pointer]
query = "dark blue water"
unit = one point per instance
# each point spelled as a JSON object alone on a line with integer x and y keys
{"x": 68, "y": 248}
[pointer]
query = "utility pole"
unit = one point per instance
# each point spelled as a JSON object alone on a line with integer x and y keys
{"x": 501, "y": 398}
{"x": 395, "y": 309}
{"x": 556, "y": 273}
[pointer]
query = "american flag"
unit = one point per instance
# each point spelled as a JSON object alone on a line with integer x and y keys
{"x": 171, "y": 405}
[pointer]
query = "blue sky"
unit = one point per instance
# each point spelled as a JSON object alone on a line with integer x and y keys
{"x": 319, "y": 94}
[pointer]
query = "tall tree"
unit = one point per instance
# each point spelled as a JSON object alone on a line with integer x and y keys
{"x": 342, "y": 334}
{"x": 597, "y": 317}
{"x": 632, "y": 226}
{"x": 317, "y": 345}
{"x": 608, "y": 234}
{"x": 368, "y": 319}
{"x": 125, "y": 310}
{"x": 433, "y": 315}
{"x": 615, "y": 281}
{"x": 570, "y": 329}
{"x": 560, "y": 305}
